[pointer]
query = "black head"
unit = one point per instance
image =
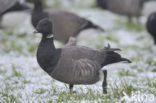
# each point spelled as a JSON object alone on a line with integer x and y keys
{"x": 44, "y": 27}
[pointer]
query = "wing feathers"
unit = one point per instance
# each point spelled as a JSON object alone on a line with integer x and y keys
{"x": 85, "y": 70}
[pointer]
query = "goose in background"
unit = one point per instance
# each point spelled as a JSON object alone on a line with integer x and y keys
{"x": 11, "y": 5}
{"x": 13, "y": 13}
{"x": 151, "y": 25}
{"x": 65, "y": 24}
{"x": 129, "y": 8}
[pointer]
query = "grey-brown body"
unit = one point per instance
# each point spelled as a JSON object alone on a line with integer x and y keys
{"x": 80, "y": 65}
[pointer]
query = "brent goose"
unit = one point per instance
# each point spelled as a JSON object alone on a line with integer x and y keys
{"x": 151, "y": 25}
{"x": 73, "y": 64}
{"x": 66, "y": 24}
{"x": 11, "y": 5}
{"x": 129, "y": 8}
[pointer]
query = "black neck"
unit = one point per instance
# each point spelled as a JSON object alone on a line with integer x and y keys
{"x": 45, "y": 40}
{"x": 38, "y": 5}
{"x": 38, "y": 13}
{"x": 103, "y": 4}
{"x": 47, "y": 54}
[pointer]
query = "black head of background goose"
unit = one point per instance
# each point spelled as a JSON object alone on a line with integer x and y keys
{"x": 37, "y": 12}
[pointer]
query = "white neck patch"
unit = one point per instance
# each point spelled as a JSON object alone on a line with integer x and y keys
{"x": 50, "y": 36}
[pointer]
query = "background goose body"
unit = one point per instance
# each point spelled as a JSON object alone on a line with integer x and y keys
{"x": 6, "y": 4}
{"x": 11, "y": 5}
{"x": 129, "y": 8}
{"x": 151, "y": 25}
{"x": 126, "y": 7}
{"x": 66, "y": 24}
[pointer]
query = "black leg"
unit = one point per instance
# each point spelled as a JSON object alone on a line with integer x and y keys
{"x": 71, "y": 88}
{"x": 129, "y": 19}
{"x": 104, "y": 84}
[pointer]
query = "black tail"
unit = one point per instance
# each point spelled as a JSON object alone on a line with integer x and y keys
{"x": 16, "y": 7}
{"x": 90, "y": 25}
{"x": 112, "y": 57}
{"x": 147, "y": 0}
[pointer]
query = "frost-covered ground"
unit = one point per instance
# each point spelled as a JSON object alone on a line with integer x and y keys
{"x": 23, "y": 81}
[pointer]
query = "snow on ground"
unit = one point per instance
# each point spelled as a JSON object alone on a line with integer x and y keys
{"x": 22, "y": 80}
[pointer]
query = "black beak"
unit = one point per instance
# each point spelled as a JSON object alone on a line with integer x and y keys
{"x": 35, "y": 31}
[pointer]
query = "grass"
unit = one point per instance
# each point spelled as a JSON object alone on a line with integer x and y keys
{"x": 151, "y": 84}
{"x": 11, "y": 42}
{"x": 129, "y": 25}
{"x": 15, "y": 72}
{"x": 118, "y": 89}
{"x": 124, "y": 72}
{"x": 6, "y": 96}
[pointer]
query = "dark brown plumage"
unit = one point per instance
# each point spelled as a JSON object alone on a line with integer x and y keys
{"x": 66, "y": 24}
{"x": 73, "y": 64}
{"x": 151, "y": 25}
{"x": 129, "y": 8}
{"x": 11, "y": 5}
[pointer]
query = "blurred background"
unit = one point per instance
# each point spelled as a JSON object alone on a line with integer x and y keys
{"x": 22, "y": 80}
